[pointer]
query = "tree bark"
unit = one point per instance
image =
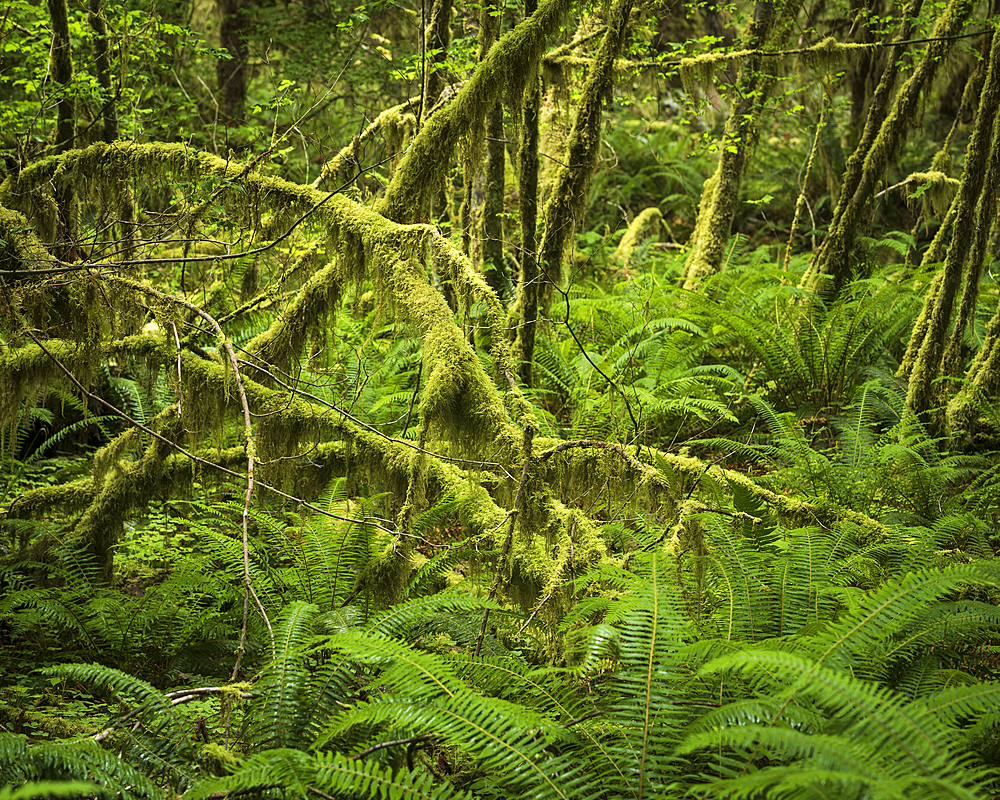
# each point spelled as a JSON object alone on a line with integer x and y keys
{"x": 62, "y": 73}
{"x": 102, "y": 66}
{"x": 569, "y": 191}
{"x": 231, "y": 73}
{"x": 884, "y": 136}
{"x": 528, "y": 202}
{"x": 927, "y": 365}
{"x": 437, "y": 39}
{"x": 493, "y": 266}
{"x": 413, "y": 183}
{"x": 721, "y": 192}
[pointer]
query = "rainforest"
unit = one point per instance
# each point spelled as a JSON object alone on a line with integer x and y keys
{"x": 555, "y": 399}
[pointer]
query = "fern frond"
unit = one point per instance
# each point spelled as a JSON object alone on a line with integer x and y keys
{"x": 84, "y": 762}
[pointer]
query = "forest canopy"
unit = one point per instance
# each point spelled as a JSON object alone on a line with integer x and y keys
{"x": 552, "y": 399}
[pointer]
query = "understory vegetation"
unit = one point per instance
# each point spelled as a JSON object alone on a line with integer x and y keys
{"x": 556, "y": 400}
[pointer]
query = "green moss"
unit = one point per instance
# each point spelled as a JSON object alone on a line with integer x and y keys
{"x": 67, "y": 497}
{"x": 129, "y": 485}
{"x": 20, "y": 247}
{"x": 569, "y": 192}
{"x": 645, "y": 224}
{"x": 25, "y": 369}
{"x": 883, "y": 137}
{"x": 218, "y": 760}
{"x": 501, "y": 75}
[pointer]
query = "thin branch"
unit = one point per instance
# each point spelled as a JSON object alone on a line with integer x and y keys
{"x": 538, "y": 608}
{"x": 732, "y": 514}
{"x": 66, "y": 267}
{"x": 175, "y": 697}
{"x": 248, "y": 445}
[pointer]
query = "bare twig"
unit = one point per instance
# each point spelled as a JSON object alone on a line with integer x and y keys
{"x": 538, "y": 608}
{"x": 176, "y": 698}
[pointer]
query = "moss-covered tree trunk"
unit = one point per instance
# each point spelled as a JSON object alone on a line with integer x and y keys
{"x": 102, "y": 68}
{"x": 721, "y": 193}
{"x": 884, "y": 136}
{"x": 569, "y": 190}
{"x": 982, "y": 383}
{"x": 62, "y": 74}
{"x": 494, "y": 269}
{"x": 527, "y": 304}
{"x": 985, "y": 222}
{"x": 437, "y": 40}
{"x": 972, "y": 195}
{"x": 503, "y": 73}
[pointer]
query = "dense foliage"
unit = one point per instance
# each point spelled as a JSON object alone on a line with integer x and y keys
{"x": 556, "y": 400}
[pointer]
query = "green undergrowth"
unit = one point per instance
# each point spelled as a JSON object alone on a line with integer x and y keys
{"x": 762, "y": 573}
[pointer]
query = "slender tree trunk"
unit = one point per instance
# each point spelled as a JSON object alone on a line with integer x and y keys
{"x": 102, "y": 66}
{"x": 109, "y": 118}
{"x": 61, "y": 66}
{"x": 861, "y": 68}
{"x": 986, "y": 211}
{"x": 884, "y": 136}
{"x": 982, "y": 382}
{"x": 231, "y": 73}
{"x": 493, "y": 267}
{"x": 721, "y": 193}
{"x": 528, "y": 200}
{"x": 437, "y": 40}
{"x": 927, "y": 365}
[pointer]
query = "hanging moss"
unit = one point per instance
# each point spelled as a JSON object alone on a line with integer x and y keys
{"x": 501, "y": 75}
{"x": 23, "y": 370}
{"x": 20, "y": 248}
{"x": 44, "y": 499}
{"x": 721, "y": 193}
{"x": 366, "y": 245}
{"x": 308, "y": 315}
{"x": 128, "y": 487}
{"x": 980, "y": 388}
{"x": 395, "y": 125}
{"x": 936, "y": 191}
{"x": 588, "y": 466}
{"x": 983, "y": 225}
{"x": 698, "y": 72}
{"x": 541, "y": 557}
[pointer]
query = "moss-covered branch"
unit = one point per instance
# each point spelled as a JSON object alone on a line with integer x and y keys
{"x": 502, "y": 75}
{"x": 569, "y": 190}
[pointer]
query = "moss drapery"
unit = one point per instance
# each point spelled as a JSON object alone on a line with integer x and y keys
{"x": 884, "y": 136}
{"x": 503, "y": 74}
